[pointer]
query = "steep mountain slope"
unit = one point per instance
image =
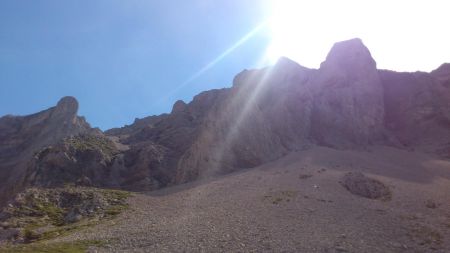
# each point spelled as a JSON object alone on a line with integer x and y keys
{"x": 267, "y": 113}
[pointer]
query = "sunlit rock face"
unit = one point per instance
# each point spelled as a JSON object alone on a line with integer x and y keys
{"x": 266, "y": 114}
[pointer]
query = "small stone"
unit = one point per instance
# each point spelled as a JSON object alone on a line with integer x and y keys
{"x": 431, "y": 204}
{"x": 73, "y": 216}
{"x": 396, "y": 245}
{"x": 305, "y": 176}
{"x": 5, "y": 224}
{"x": 340, "y": 249}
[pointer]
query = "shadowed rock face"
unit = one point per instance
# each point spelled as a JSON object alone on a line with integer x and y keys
{"x": 266, "y": 114}
{"x": 417, "y": 107}
{"x": 348, "y": 97}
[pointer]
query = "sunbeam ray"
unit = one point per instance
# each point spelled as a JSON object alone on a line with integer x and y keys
{"x": 233, "y": 131}
{"x": 211, "y": 64}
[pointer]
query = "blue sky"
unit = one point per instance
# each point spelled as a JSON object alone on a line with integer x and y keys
{"x": 126, "y": 59}
{"x": 121, "y": 59}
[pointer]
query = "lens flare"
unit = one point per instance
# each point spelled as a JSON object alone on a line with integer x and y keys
{"x": 394, "y": 30}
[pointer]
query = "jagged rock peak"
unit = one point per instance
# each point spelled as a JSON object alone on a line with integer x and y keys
{"x": 179, "y": 106}
{"x": 444, "y": 67}
{"x": 286, "y": 62}
{"x": 443, "y": 72}
{"x": 351, "y": 55}
{"x": 67, "y": 105}
{"x": 287, "y": 65}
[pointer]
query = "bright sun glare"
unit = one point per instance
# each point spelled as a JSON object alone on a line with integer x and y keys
{"x": 402, "y": 35}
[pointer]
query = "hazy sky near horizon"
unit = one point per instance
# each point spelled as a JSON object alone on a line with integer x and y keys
{"x": 128, "y": 59}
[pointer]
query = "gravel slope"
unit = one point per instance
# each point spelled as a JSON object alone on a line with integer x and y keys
{"x": 295, "y": 204}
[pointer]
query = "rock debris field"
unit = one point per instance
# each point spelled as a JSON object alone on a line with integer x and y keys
{"x": 300, "y": 203}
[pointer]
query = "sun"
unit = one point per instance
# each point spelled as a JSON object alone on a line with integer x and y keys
{"x": 305, "y": 30}
{"x": 394, "y": 30}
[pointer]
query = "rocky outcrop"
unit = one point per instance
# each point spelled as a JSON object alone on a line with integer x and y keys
{"x": 267, "y": 113}
{"x": 22, "y": 136}
{"x": 83, "y": 159}
{"x": 155, "y": 149}
{"x": 359, "y": 184}
{"x": 348, "y": 97}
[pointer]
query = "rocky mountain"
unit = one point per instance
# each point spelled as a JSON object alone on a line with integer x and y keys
{"x": 22, "y": 136}
{"x": 345, "y": 104}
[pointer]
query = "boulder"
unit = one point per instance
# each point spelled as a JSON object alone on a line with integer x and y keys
{"x": 359, "y": 184}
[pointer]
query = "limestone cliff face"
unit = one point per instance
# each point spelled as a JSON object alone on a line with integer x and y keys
{"x": 417, "y": 107}
{"x": 267, "y": 113}
{"x": 348, "y": 97}
{"x": 262, "y": 117}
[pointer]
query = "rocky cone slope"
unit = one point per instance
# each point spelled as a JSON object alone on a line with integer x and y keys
{"x": 347, "y": 104}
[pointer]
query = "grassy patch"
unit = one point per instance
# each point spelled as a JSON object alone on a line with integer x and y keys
{"x": 65, "y": 230}
{"x": 426, "y": 236}
{"x": 53, "y": 247}
{"x": 41, "y": 214}
{"x": 115, "y": 210}
{"x": 116, "y": 194}
{"x": 280, "y": 197}
{"x": 37, "y": 212}
{"x": 92, "y": 142}
{"x": 55, "y": 214}
{"x": 117, "y": 199}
